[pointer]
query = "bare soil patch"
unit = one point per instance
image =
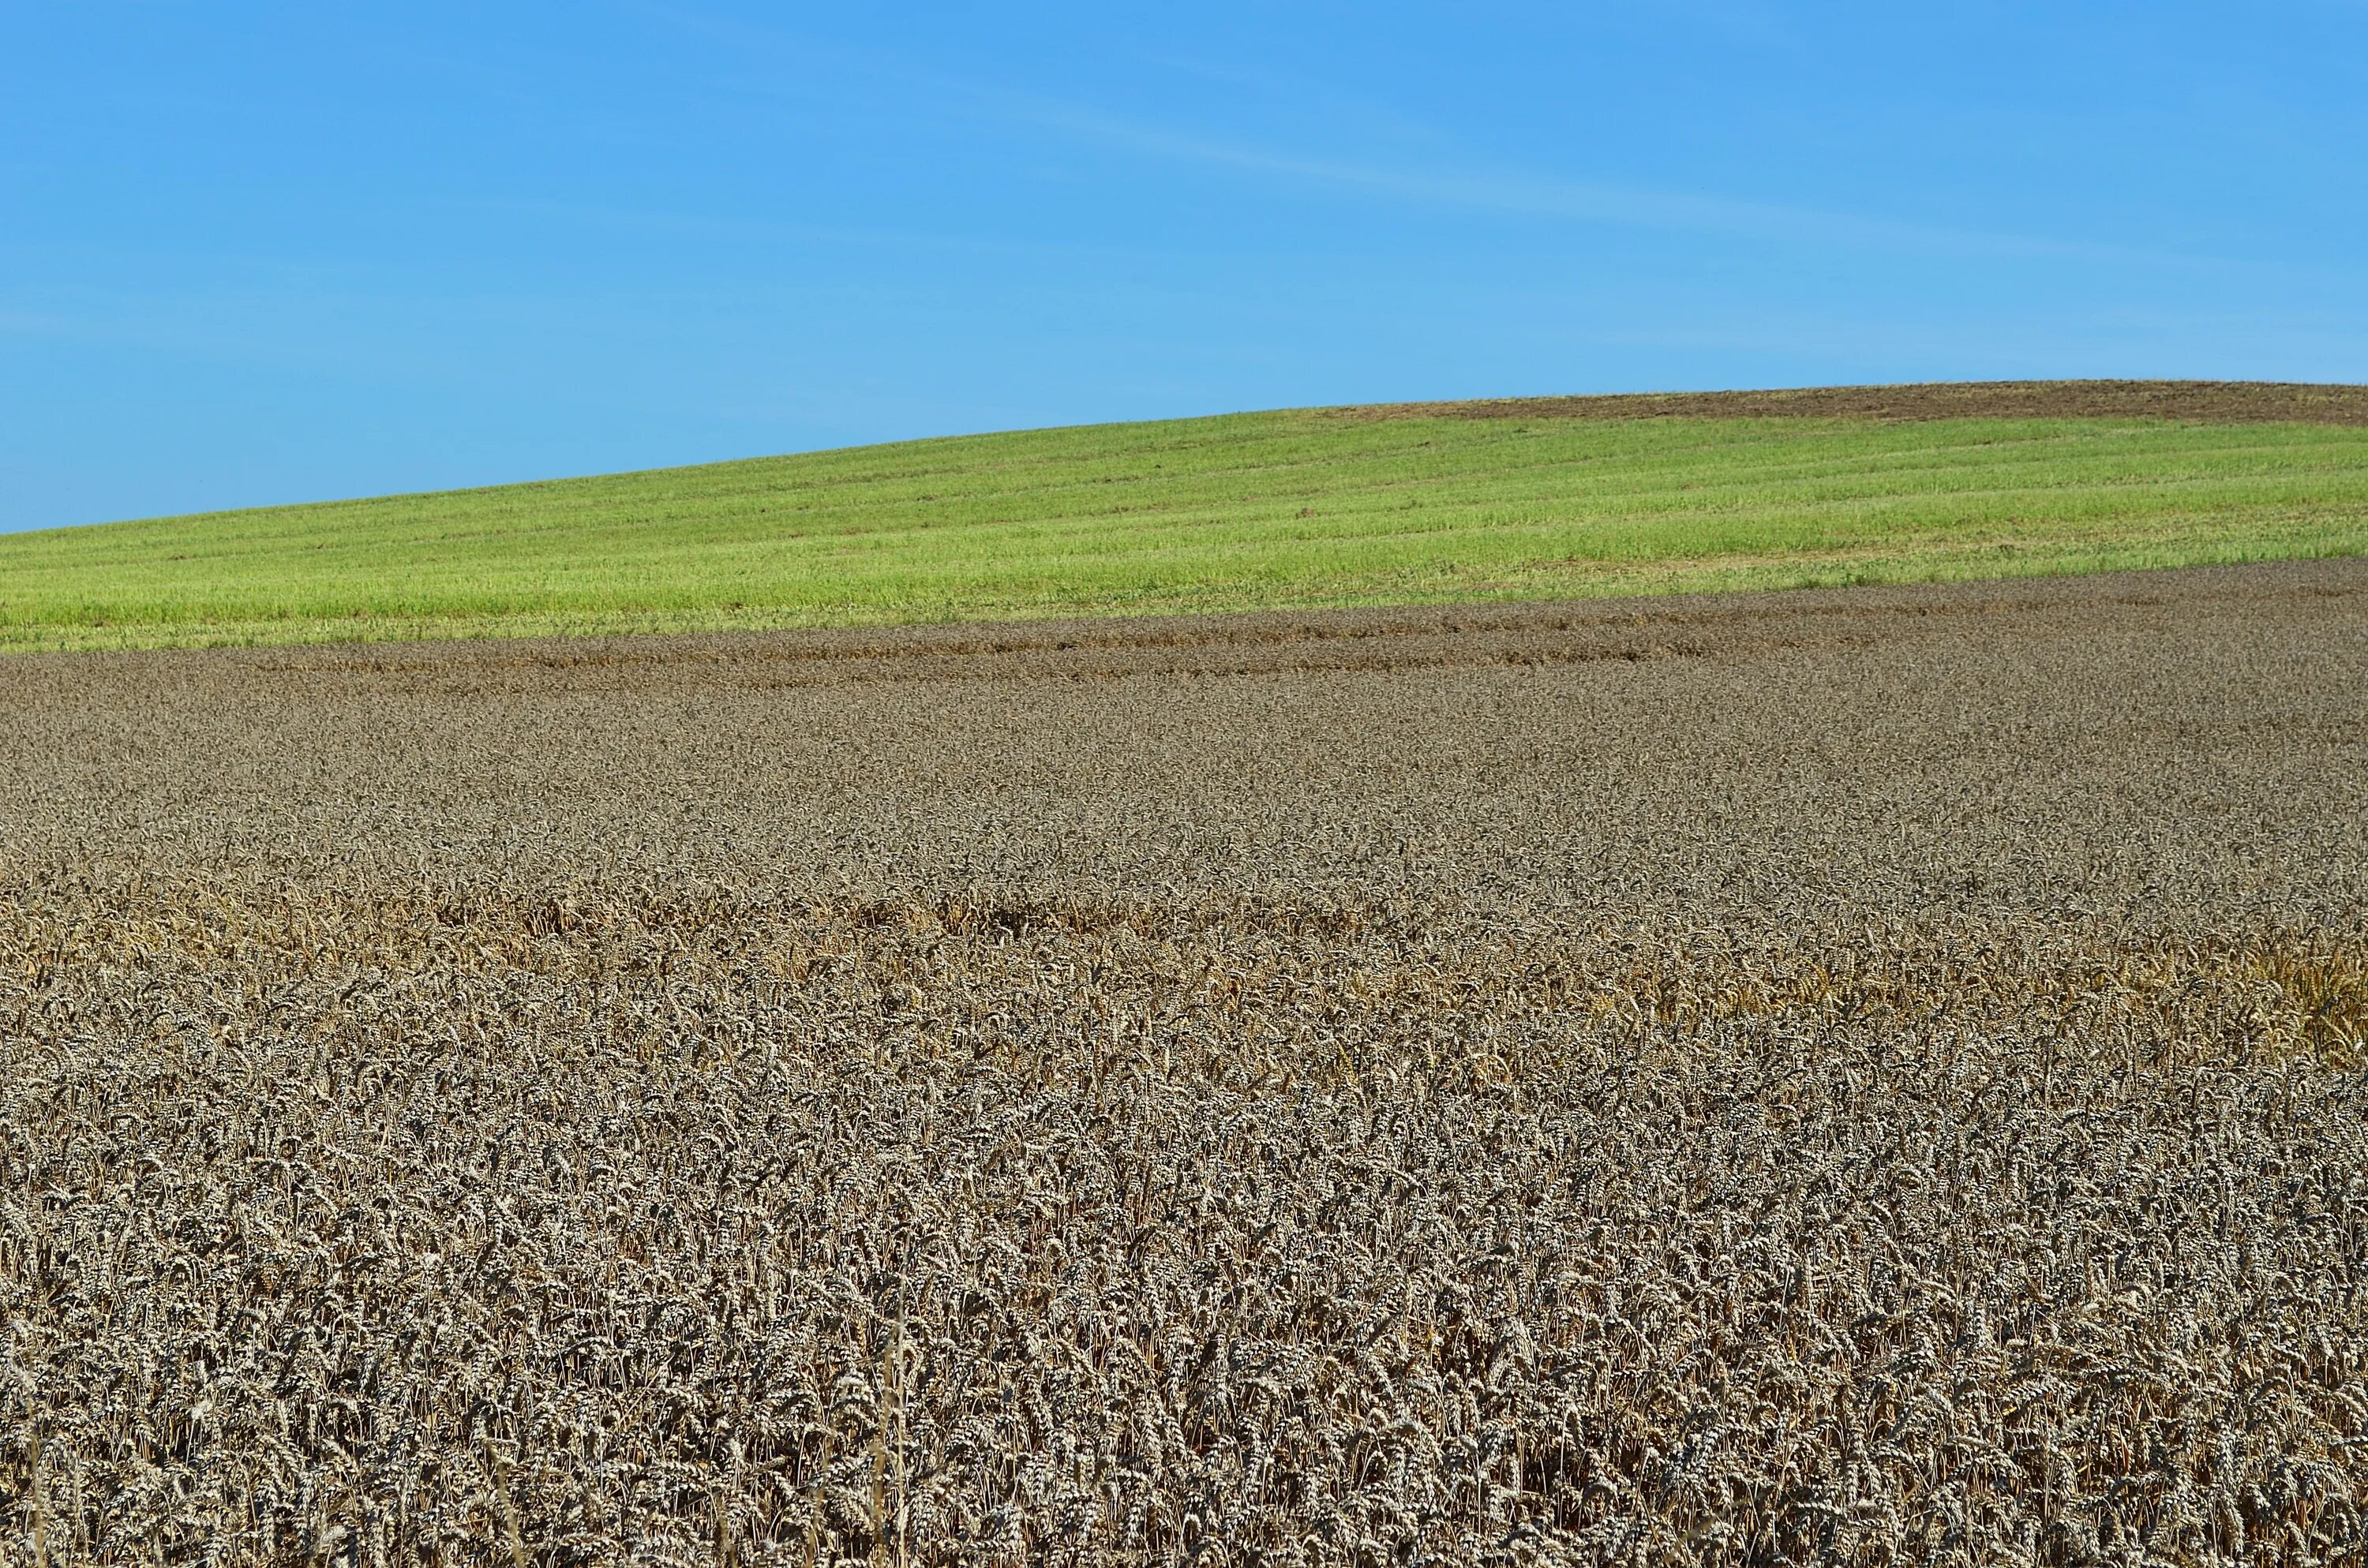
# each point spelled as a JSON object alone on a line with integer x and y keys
{"x": 2239, "y": 403}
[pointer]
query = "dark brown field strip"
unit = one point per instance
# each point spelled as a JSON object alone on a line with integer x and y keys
{"x": 1268, "y": 642}
{"x": 2211, "y": 402}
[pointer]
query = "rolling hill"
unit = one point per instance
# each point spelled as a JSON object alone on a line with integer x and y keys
{"x": 1538, "y": 498}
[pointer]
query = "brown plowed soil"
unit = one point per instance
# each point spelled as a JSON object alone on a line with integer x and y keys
{"x": 1859, "y": 1076}
{"x": 2221, "y": 403}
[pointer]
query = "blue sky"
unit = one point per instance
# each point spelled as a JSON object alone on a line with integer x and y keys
{"x": 263, "y": 253}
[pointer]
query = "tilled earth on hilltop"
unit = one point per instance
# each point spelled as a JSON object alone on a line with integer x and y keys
{"x": 2219, "y": 403}
{"x": 1858, "y": 1076}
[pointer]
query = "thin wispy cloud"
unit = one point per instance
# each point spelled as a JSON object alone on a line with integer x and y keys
{"x": 1522, "y": 194}
{"x": 1444, "y": 182}
{"x": 1514, "y": 193}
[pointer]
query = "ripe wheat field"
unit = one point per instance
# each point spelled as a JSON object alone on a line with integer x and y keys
{"x": 1857, "y": 1076}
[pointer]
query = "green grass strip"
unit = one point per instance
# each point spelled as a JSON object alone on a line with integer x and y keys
{"x": 1248, "y": 511}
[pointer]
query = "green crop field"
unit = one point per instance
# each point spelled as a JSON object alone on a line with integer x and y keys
{"x": 1265, "y": 510}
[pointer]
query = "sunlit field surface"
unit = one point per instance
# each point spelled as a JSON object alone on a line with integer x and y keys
{"x": 1873, "y": 1076}
{"x": 1295, "y": 509}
